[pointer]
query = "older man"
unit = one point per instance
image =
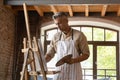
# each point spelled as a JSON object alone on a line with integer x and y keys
{"x": 68, "y": 41}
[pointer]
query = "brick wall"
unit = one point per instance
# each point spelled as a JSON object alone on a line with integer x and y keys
{"x": 7, "y": 23}
{"x": 1, "y": 2}
{"x": 21, "y": 32}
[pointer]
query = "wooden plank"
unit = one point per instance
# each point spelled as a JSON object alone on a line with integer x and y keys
{"x": 118, "y": 12}
{"x": 64, "y": 8}
{"x": 24, "y": 66}
{"x": 27, "y": 24}
{"x": 112, "y": 8}
{"x": 38, "y": 9}
{"x": 86, "y": 10}
{"x": 70, "y": 10}
{"x": 26, "y": 74}
{"x": 40, "y": 58}
{"x": 95, "y": 8}
{"x": 40, "y": 72}
{"x": 30, "y": 52}
{"x": 104, "y": 9}
{"x": 38, "y": 2}
{"x": 53, "y": 9}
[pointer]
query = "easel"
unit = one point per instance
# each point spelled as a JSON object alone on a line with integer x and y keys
{"x": 31, "y": 48}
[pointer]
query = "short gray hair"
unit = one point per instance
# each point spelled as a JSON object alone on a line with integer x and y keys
{"x": 59, "y": 14}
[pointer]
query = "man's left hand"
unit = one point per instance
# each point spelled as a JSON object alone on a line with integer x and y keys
{"x": 69, "y": 61}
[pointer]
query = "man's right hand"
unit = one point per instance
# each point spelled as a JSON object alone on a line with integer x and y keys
{"x": 47, "y": 57}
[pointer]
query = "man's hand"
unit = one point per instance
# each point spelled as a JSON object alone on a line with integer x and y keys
{"x": 47, "y": 58}
{"x": 77, "y": 59}
{"x": 69, "y": 61}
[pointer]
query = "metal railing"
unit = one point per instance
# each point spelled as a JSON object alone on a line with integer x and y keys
{"x": 101, "y": 73}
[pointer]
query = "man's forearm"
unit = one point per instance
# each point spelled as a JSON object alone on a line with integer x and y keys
{"x": 76, "y": 60}
{"x": 80, "y": 58}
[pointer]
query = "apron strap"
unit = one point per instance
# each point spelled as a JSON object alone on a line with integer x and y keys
{"x": 60, "y": 36}
{"x": 72, "y": 34}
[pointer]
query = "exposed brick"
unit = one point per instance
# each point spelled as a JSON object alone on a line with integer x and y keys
{"x": 1, "y": 2}
{"x": 7, "y": 26}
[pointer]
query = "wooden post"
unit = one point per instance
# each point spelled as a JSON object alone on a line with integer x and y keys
{"x": 30, "y": 52}
{"x": 27, "y": 24}
{"x": 30, "y": 49}
{"x": 24, "y": 47}
{"x": 39, "y": 54}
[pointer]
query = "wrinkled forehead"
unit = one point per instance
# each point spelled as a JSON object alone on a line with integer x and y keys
{"x": 60, "y": 19}
{"x": 59, "y": 15}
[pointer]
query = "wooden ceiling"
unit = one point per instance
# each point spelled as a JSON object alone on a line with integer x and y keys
{"x": 71, "y": 9}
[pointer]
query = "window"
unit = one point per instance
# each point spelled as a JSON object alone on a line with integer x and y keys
{"x": 103, "y": 49}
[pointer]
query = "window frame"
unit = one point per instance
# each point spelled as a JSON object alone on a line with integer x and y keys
{"x": 115, "y": 43}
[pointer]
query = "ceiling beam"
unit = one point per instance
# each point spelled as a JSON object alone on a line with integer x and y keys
{"x": 40, "y": 12}
{"x": 118, "y": 12}
{"x": 53, "y": 9}
{"x": 103, "y": 11}
{"x": 86, "y": 10}
{"x": 70, "y": 10}
{"x": 43, "y": 2}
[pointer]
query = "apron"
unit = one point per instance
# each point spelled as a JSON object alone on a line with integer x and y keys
{"x": 68, "y": 71}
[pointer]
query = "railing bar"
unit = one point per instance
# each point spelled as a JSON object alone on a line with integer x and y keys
{"x": 105, "y": 72}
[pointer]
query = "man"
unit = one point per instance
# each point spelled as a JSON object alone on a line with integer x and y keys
{"x": 68, "y": 41}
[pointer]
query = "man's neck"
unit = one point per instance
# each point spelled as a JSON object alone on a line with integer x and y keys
{"x": 67, "y": 31}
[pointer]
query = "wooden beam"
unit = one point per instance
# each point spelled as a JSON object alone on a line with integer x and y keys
{"x": 118, "y": 12}
{"x": 104, "y": 9}
{"x": 70, "y": 10}
{"x": 86, "y": 10}
{"x": 53, "y": 9}
{"x": 42, "y": 2}
{"x": 40, "y": 12}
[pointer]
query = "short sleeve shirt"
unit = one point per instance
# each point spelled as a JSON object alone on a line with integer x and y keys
{"x": 78, "y": 37}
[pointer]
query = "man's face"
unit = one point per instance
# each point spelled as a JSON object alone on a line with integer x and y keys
{"x": 62, "y": 23}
